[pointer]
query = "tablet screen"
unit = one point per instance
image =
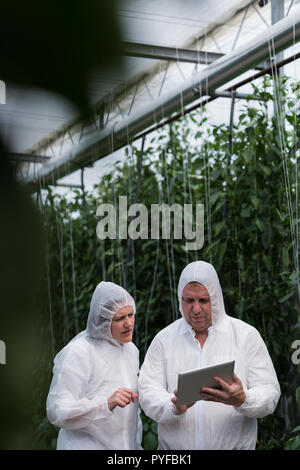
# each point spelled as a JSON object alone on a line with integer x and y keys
{"x": 190, "y": 382}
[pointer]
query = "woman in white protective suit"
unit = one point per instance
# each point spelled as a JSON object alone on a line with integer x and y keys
{"x": 93, "y": 393}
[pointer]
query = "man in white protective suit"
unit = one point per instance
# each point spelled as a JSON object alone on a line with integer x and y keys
{"x": 93, "y": 393}
{"x": 206, "y": 335}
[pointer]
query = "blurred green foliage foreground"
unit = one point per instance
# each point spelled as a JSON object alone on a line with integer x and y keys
{"x": 52, "y": 45}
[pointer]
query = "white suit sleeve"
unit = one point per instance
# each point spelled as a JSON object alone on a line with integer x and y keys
{"x": 154, "y": 398}
{"x": 262, "y": 387}
{"x": 67, "y": 407}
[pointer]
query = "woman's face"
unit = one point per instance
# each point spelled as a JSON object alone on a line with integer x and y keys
{"x": 122, "y": 325}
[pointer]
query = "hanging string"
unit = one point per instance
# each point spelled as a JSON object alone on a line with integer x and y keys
{"x": 61, "y": 262}
{"x": 295, "y": 146}
{"x": 137, "y": 198}
{"x": 120, "y": 263}
{"x": 103, "y": 265}
{"x": 73, "y": 276}
{"x": 207, "y": 200}
{"x": 256, "y": 231}
{"x": 239, "y": 262}
{"x": 229, "y": 156}
{"x": 185, "y": 202}
{"x": 284, "y": 157}
{"x": 172, "y": 262}
{"x": 130, "y": 243}
{"x": 207, "y": 178}
{"x": 151, "y": 295}
{"x": 169, "y": 262}
{"x": 50, "y": 308}
{"x": 43, "y": 208}
{"x": 64, "y": 299}
{"x": 205, "y": 168}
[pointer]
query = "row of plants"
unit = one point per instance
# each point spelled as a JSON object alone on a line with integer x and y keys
{"x": 247, "y": 178}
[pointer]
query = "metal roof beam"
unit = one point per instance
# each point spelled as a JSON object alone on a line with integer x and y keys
{"x": 238, "y": 96}
{"x": 151, "y": 51}
{"x": 283, "y": 35}
{"x": 69, "y": 185}
{"x": 26, "y": 157}
{"x": 277, "y": 13}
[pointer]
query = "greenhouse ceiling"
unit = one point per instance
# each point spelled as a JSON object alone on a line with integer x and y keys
{"x": 166, "y": 50}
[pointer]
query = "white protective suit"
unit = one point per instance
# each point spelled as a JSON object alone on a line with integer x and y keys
{"x": 207, "y": 425}
{"x": 87, "y": 371}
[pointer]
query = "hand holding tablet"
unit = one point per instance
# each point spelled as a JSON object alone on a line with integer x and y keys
{"x": 214, "y": 383}
{"x": 230, "y": 394}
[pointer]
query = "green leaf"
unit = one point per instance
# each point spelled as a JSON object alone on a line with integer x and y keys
{"x": 248, "y": 155}
{"x": 125, "y": 171}
{"x": 255, "y": 201}
{"x": 149, "y": 441}
{"x": 146, "y": 427}
{"x": 296, "y": 429}
{"x": 279, "y": 215}
{"x": 267, "y": 236}
{"x": 246, "y": 212}
{"x": 260, "y": 225}
{"x": 154, "y": 427}
{"x": 219, "y": 226}
{"x": 252, "y": 112}
{"x": 219, "y": 205}
{"x": 215, "y": 196}
{"x": 287, "y": 296}
{"x": 293, "y": 443}
{"x": 265, "y": 169}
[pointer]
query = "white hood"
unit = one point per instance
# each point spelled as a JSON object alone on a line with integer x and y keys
{"x": 107, "y": 299}
{"x": 205, "y": 274}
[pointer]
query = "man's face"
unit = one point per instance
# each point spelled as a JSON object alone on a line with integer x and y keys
{"x": 122, "y": 325}
{"x": 196, "y": 306}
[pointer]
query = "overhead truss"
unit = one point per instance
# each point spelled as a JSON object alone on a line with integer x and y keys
{"x": 88, "y": 142}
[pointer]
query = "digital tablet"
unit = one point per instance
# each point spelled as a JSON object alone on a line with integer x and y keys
{"x": 189, "y": 383}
